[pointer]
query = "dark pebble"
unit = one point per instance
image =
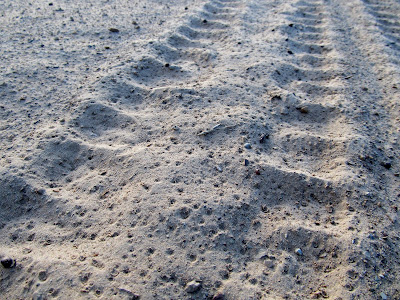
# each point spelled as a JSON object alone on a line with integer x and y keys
{"x": 42, "y": 276}
{"x": 303, "y": 110}
{"x": 246, "y": 162}
{"x": 204, "y": 21}
{"x": 258, "y": 172}
{"x": 386, "y": 164}
{"x": 8, "y": 263}
{"x": 263, "y": 138}
{"x": 41, "y": 192}
{"x": 113, "y": 30}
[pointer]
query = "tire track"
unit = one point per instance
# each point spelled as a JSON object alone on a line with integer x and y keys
{"x": 310, "y": 89}
{"x": 155, "y": 154}
{"x": 374, "y": 74}
{"x": 386, "y": 15}
{"x": 313, "y": 73}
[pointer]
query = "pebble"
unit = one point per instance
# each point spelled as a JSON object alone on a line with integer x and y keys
{"x": 262, "y": 255}
{"x": 264, "y": 137}
{"x": 299, "y": 252}
{"x": 42, "y": 276}
{"x": 8, "y": 263}
{"x": 246, "y": 162}
{"x": 129, "y": 293}
{"x": 247, "y": 146}
{"x": 386, "y": 164}
{"x": 193, "y": 286}
{"x": 383, "y": 296}
{"x": 258, "y": 172}
{"x": 113, "y": 30}
{"x": 303, "y": 110}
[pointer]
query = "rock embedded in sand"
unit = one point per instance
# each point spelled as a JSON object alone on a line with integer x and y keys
{"x": 247, "y": 146}
{"x": 319, "y": 294}
{"x": 130, "y": 294}
{"x": 263, "y": 138}
{"x": 8, "y": 263}
{"x": 299, "y": 252}
{"x": 113, "y": 29}
{"x": 303, "y": 109}
{"x": 193, "y": 286}
{"x": 386, "y": 164}
{"x": 42, "y": 276}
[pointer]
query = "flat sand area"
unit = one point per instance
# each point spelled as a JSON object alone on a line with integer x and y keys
{"x": 204, "y": 149}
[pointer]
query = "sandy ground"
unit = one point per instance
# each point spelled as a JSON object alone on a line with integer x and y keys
{"x": 220, "y": 149}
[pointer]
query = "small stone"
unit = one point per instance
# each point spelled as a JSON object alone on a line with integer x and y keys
{"x": 263, "y": 138}
{"x": 264, "y": 208}
{"x": 383, "y": 296}
{"x": 40, "y": 192}
{"x": 129, "y": 293}
{"x": 193, "y": 286}
{"x": 205, "y": 21}
{"x": 257, "y": 171}
{"x": 299, "y": 252}
{"x": 113, "y": 30}
{"x": 319, "y": 294}
{"x": 8, "y": 263}
{"x": 42, "y": 276}
{"x": 386, "y": 164}
{"x": 219, "y": 296}
{"x": 247, "y": 146}
{"x": 246, "y": 162}
{"x": 262, "y": 255}
{"x": 304, "y": 110}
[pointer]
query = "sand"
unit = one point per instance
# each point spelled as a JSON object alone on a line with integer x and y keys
{"x": 207, "y": 149}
